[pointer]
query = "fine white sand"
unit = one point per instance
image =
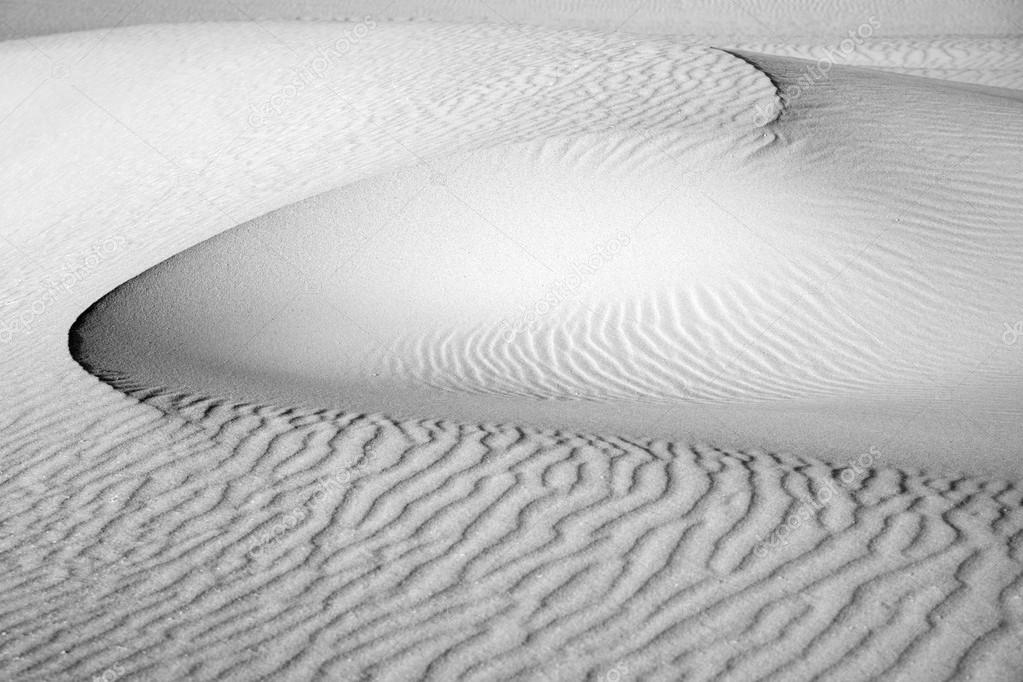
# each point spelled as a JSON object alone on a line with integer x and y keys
{"x": 818, "y": 22}
{"x": 622, "y": 281}
{"x": 767, "y": 426}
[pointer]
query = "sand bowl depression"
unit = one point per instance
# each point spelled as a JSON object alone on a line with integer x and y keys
{"x": 617, "y": 280}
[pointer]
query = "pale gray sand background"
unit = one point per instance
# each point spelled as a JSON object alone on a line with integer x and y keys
{"x": 765, "y": 19}
{"x": 426, "y": 548}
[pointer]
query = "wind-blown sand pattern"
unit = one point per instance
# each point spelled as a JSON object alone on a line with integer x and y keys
{"x": 191, "y": 530}
{"x": 337, "y": 545}
{"x": 837, "y": 294}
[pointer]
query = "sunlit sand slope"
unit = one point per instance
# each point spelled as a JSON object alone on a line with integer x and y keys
{"x": 556, "y": 282}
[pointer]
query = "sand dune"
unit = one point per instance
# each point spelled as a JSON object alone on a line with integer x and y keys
{"x": 188, "y": 530}
{"x": 991, "y": 61}
{"x": 876, "y": 275}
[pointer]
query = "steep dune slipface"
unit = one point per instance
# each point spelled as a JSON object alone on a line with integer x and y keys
{"x": 171, "y": 535}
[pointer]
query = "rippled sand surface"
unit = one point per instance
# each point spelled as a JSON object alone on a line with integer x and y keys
{"x": 766, "y": 426}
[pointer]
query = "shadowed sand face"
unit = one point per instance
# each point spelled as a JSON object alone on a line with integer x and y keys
{"x": 623, "y": 282}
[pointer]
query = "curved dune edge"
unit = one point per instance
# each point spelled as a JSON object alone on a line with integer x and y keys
{"x": 842, "y": 314}
{"x": 232, "y": 543}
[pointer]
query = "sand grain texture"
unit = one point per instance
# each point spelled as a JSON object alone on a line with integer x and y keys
{"x": 181, "y": 533}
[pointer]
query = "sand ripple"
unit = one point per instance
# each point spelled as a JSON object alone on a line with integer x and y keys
{"x": 233, "y": 541}
{"x": 180, "y": 534}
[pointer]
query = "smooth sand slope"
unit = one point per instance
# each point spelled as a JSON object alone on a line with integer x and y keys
{"x": 184, "y": 536}
{"x": 837, "y": 279}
